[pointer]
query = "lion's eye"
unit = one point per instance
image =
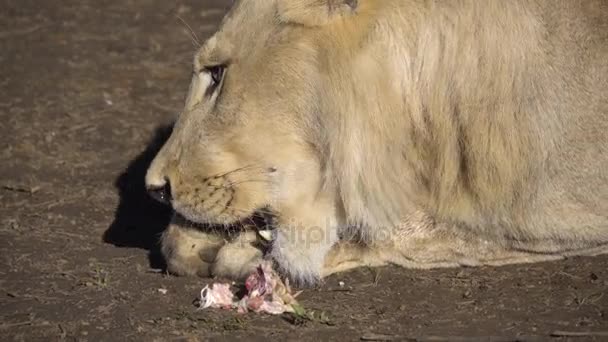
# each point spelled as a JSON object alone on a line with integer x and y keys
{"x": 217, "y": 74}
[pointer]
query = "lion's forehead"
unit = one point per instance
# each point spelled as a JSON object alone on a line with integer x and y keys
{"x": 242, "y": 31}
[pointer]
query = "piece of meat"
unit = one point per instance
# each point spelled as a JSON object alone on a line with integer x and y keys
{"x": 217, "y": 296}
{"x": 266, "y": 292}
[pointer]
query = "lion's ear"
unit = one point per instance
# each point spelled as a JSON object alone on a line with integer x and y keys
{"x": 314, "y": 12}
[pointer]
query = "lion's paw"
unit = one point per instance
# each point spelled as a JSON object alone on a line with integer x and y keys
{"x": 189, "y": 251}
{"x": 238, "y": 258}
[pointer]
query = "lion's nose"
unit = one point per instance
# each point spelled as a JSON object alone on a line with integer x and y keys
{"x": 161, "y": 193}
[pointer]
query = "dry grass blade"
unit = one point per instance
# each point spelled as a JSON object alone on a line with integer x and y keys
{"x": 19, "y": 32}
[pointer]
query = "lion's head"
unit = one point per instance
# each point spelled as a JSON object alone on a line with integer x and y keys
{"x": 250, "y": 136}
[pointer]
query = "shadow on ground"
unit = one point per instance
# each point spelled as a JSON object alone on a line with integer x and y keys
{"x": 139, "y": 220}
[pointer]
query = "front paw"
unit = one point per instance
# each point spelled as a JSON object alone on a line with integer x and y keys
{"x": 238, "y": 258}
{"x": 189, "y": 251}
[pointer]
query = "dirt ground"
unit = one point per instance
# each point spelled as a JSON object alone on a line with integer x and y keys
{"x": 88, "y": 89}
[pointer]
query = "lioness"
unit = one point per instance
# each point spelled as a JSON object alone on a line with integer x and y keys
{"x": 409, "y": 132}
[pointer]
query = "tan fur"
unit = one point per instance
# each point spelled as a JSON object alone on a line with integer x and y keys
{"x": 418, "y": 133}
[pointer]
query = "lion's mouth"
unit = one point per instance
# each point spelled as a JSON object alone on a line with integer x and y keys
{"x": 262, "y": 221}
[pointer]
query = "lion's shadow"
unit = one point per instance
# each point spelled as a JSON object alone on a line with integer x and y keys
{"x": 139, "y": 220}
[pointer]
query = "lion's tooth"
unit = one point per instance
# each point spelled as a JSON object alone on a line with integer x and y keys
{"x": 266, "y": 234}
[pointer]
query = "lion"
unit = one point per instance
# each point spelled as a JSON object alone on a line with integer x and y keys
{"x": 421, "y": 134}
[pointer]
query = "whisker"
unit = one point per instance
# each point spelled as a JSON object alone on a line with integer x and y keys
{"x": 248, "y": 181}
{"x": 242, "y": 168}
{"x": 193, "y": 35}
{"x": 255, "y": 212}
{"x": 259, "y": 210}
{"x": 250, "y": 221}
{"x": 264, "y": 218}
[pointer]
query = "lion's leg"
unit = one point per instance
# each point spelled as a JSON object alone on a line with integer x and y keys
{"x": 305, "y": 233}
{"x": 532, "y": 254}
{"x": 420, "y": 243}
{"x": 451, "y": 250}
{"x": 189, "y": 251}
{"x": 417, "y": 243}
{"x": 423, "y": 253}
{"x": 345, "y": 256}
